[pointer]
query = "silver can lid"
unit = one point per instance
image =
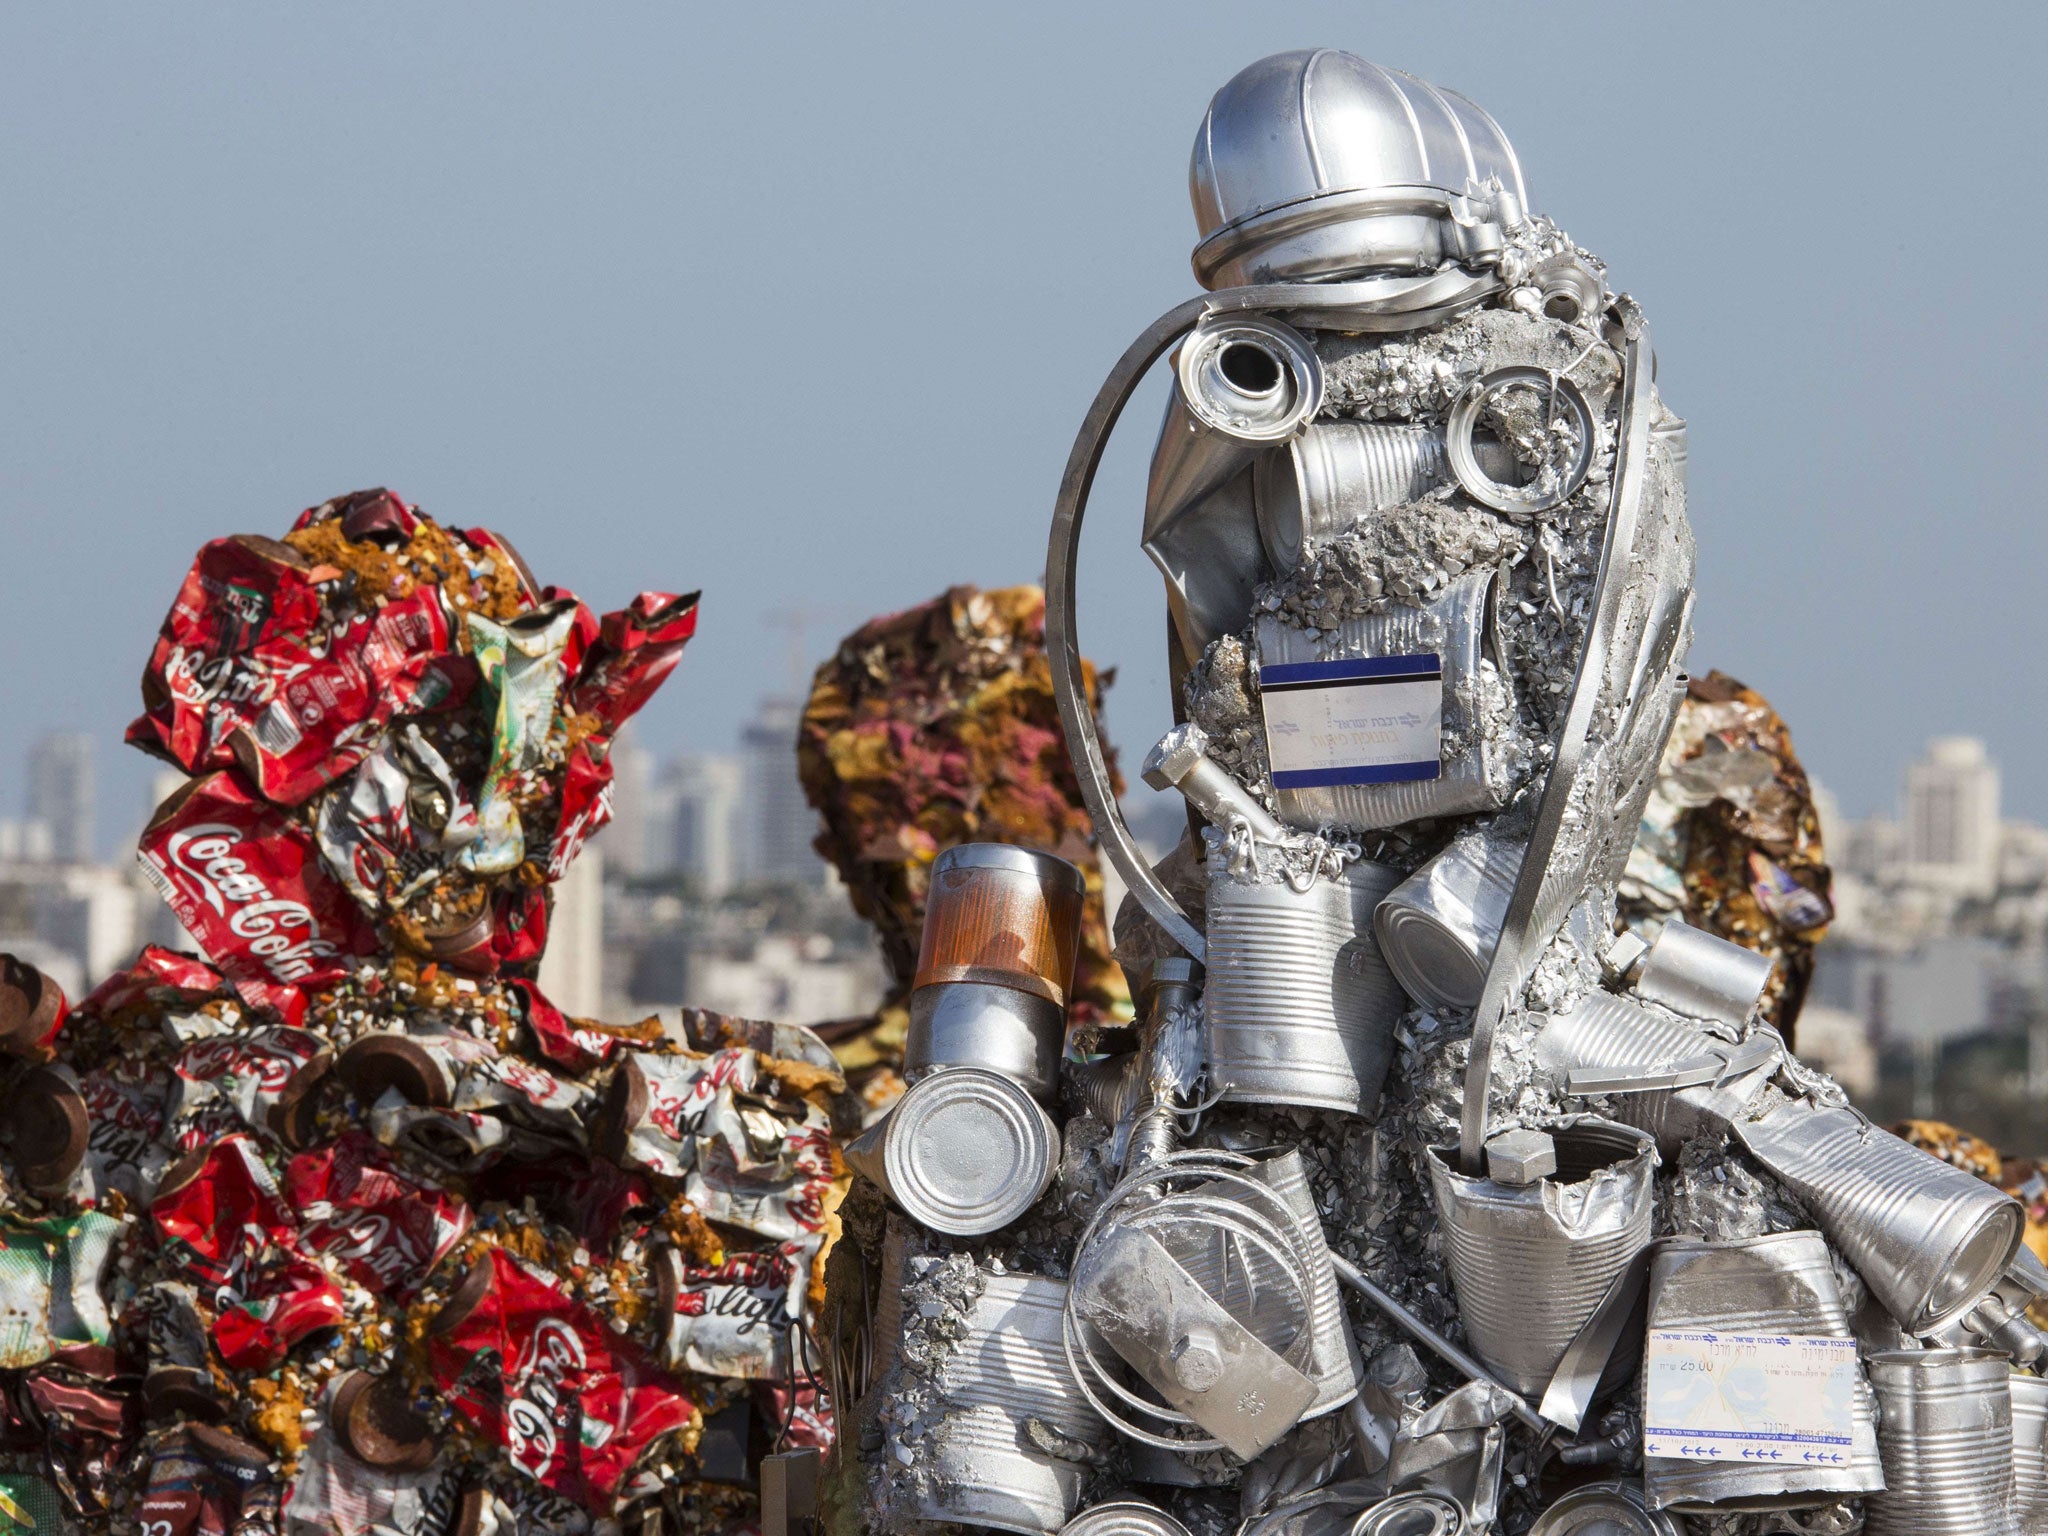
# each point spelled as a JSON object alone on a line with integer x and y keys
{"x": 1124, "y": 1517}
{"x": 968, "y": 1151}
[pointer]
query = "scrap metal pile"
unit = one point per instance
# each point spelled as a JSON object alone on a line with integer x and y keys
{"x": 346, "y": 1227}
{"x": 1428, "y": 1197}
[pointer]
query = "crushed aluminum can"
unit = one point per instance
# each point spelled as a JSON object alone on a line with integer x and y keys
{"x": 635, "y": 650}
{"x": 654, "y": 1105}
{"x": 329, "y": 708}
{"x": 1927, "y": 1238}
{"x": 263, "y": 1076}
{"x": 249, "y": 884}
{"x": 556, "y": 1036}
{"x": 1002, "y": 933}
{"x": 964, "y": 1151}
{"x": 1604, "y": 1509}
{"x": 273, "y": 1309}
{"x": 336, "y": 1492}
{"x": 2029, "y": 1453}
{"x": 1530, "y": 1264}
{"x": 1945, "y": 1432}
{"x": 47, "y": 1128}
{"x": 573, "y": 1404}
{"x": 387, "y": 1230}
{"x": 1702, "y": 975}
{"x": 525, "y": 1093}
{"x": 761, "y": 1172}
{"x": 204, "y": 678}
{"x": 124, "y": 1102}
{"x": 1439, "y": 927}
{"x": 522, "y": 662}
{"x": 204, "y": 1481}
{"x": 217, "y": 1210}
{"x": 1124, "y": 1517}
{"x": 32, "y": 1009}
{"x": 367, "y": 829}
{"x": 1201, "y": 1360}
{"x": 731, "y": 1319}
{"x": 1300, "y": 1008}
{"x": 50, "y": 1284}
{"x": 1008, "y": 1369}
{"x": 1781, "y": 1283}
{"x": 160, "y": 979}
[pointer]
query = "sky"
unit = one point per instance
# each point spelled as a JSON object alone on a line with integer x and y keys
{"x": 802, "y": 305}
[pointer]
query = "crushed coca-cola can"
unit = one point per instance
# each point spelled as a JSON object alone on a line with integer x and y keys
{"x": 734, "y": 1318}
{"x": 248, "y": 883}
{"x": 573, "y": 1404}
{"x": 654, "y": 1104}
{"x": 387, "y": 1229}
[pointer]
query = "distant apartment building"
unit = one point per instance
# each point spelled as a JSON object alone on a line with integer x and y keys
{"x": 708, "y": 820}
{"x": 1951, "y": 822}
{"x": 60, "y": 795}
{"x": 781, "y": 821}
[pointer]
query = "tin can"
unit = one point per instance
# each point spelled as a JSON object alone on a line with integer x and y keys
{"x": 387, "y": 1229}
{"x": 1124, "y": 1517}
{"x": 1927, "y": 1238}
{"x": 2029, "y": 1454}
{"x": 1335, "y": 472}
{"x": 1412, "y": 1514}
{"x": 965, "y": 1151}
{"x": 1440, "y": 926}
{"x": 1530, "y": 1263}
{"x": 1779, "y": 1283}
{"x": 1945, "y": 1431}
{"x": 1300, "y": 1007}
{"x": 1702, "y": 975}
{"x": 1009, "y": 1368}
{"x": 1002, "y": 933}
{"x": 1604, "y": 1509}
{"x": 1475, "y": 770}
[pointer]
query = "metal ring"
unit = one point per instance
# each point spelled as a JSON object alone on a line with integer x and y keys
{"x": 1553, "y": 486}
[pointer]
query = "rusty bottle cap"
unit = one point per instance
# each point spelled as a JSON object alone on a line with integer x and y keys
{"x": 291, "y": 1117}
{"x": 181, "y": 1391}
{"x": 377, "y": 1062}
{"x": 47, "y": 1126}
{"x": 378, "y": 1424}
{"x": 29, "y": 1005}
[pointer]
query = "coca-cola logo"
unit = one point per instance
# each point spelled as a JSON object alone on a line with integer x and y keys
{"x": 383, "y": 1252}
{"x": 271, "y": 1062}
{"x": 198, "y": 677}
{"x": 283, "y": 934}
{"x": 539, "y": 1398}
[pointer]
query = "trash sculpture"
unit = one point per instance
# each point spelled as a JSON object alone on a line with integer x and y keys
{"x": 1429, "y": 1192}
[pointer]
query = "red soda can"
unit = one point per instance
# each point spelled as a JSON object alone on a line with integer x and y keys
{"x": 388, "y": 1230}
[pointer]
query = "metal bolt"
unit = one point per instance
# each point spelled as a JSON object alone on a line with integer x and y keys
{"x": 1520, "y": 1157}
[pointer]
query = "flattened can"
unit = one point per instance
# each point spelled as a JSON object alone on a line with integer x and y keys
{"x": 1008, "y": 1369}
{"x": 1779, "y": 1283}
{"x": 1927, "y": 1238}
{"x": 1530, "y": 1263}
{"x": 1945, "y": 1431}
{"x": 1300, "y": 1007}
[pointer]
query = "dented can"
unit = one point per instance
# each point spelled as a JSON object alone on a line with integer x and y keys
{"x": 1945, "y": 1431}
{"x": 1927, "y": 1238}
{"x": 1781, "y": 1283}
{"x": 1008, "y": 1369}
{"x": 1300, "y": 1008}
{"x": 1531, "y": 1263}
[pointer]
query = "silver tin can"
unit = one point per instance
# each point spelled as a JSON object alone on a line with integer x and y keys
{"x": 1702, "y": 975}
{"x": 1945, "y": 1430}
{"x": 1008, "y": 1369}
{"x": 964, "y": 1151}
{"x": 1927, "y": 1238}
{"x": 1604, "y": 1509}
{"x": 1412, "y": 1514}
{"x": 980, "y": 1024}
{"x": 1474, "y": 771}
{"x": 2029, "y": 1454}
{"x": 1300, "y": 1008}
{"x": 1124, "y": 1517}
{"x": 1439, "y": 928}
{"x": 1781, "y": 1283}
{"x": 1336, "y": 472}
{"x": 1531, "y": 1263}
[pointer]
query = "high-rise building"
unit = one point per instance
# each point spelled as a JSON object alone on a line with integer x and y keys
{"x": 707, "y": 805}
{"x": 1951, "y": 833}
{"x": 625, "y": 836}
{"x": 781, "y": 822}
{"x": 60, "y": 795}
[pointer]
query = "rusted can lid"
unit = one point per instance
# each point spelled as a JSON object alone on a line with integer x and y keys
{"x": 181, "y": 1391}
{"x": 464, "y": 1299}
{"x": 29, "y": 1004}
{"x": 377, "y": 1062}
{"x": 47, "y": 1126}
{"x": 291, "y": 1117}
{"x": 378, "y": 1424}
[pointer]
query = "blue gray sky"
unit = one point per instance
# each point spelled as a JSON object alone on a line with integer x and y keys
{"x": 802, "y": 305}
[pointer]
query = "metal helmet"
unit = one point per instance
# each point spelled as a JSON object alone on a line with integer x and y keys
{"x": 1316, "y": 164}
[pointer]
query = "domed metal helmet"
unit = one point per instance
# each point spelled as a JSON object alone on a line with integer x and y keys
{"x": 1315, "y": 165}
